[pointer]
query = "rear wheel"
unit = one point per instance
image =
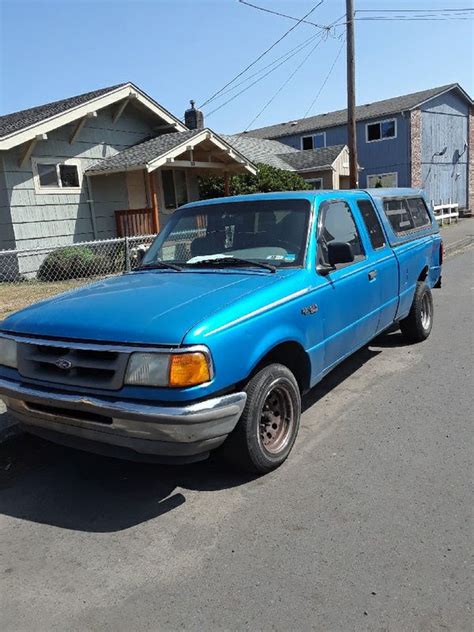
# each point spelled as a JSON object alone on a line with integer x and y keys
{"x": 417, "y": 326}
{"x": 267, "y": 429}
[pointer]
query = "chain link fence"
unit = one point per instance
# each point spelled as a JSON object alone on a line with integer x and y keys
{"x": 30, "y": 275}
{"x": 82, "y": 261}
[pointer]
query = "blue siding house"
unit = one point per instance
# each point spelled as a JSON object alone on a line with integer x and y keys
{"x": 424, "y": 139}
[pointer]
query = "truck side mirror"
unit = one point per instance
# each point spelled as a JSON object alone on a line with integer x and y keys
{"x": 339, "y": 252}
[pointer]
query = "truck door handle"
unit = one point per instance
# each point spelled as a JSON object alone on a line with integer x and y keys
{"x": 372, "y": 275}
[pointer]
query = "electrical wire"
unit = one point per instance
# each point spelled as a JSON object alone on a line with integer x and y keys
{"x": 265, "y": 52}
{"x": 449, "y": 9}
{"x": 325, "y": 80}
{"x": 282, "y": 15}
{"x": 284, "y": 84}
{"x": 287, "y": 58}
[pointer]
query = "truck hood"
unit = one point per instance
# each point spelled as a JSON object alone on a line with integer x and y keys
{"x": 153, "y": 307}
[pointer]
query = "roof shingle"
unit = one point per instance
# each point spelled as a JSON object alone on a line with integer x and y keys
{"x": 16, "y": 121}
{"x": 143, "y": 153}
{"x": 339, "y": 117}
{"x": 313, "y": 158}
{"x": 282, "y": 156}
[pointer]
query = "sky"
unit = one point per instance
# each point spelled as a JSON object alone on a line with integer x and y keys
{"x": 177, "y": 50}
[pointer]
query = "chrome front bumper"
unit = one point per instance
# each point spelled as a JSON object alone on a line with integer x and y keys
{"x": 145, "y": 428}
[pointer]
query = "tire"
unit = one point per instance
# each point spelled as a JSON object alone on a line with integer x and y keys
{"x": 416, "y": 327}
{"x": 256, "y": 445}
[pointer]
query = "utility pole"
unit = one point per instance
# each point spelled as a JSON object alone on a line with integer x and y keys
{"x": 351, "y": 102}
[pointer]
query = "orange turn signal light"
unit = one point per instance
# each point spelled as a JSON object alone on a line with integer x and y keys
{"x": 188, "y": 369}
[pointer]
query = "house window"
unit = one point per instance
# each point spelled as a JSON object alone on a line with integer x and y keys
{"x": 316, "y": 183}
{"x": 315, "y": 141}
{"x": 175, "y": 190}
{"x": 54, "y": 176}
{"x": 382, "y": 180}
{"x": 307, "y": 142}
{"x": 382, "y": 130}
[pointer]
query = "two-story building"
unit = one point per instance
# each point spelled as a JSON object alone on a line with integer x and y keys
{"x": 424, "y": 139}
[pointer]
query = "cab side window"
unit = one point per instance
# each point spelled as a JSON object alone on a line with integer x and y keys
{"x": 336, "y": 223}
{"x": 372, "y": 223}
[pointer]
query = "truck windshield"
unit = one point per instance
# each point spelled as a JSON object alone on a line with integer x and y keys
{"x": 270, "y": 232}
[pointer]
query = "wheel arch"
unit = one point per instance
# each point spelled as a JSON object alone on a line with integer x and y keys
{"x": 291, "y": 354}
{"x": 424, "y": 273}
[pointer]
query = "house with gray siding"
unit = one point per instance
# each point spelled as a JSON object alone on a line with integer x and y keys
{"x": 424, "y": 139}
{"x": 100, "y": 164}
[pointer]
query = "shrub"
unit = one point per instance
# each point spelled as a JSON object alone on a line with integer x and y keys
{"x": 267, "y": 179}
{"x": 72, "y": 262}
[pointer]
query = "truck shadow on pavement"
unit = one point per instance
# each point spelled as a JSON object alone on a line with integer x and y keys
{"x": 50, "y": 484}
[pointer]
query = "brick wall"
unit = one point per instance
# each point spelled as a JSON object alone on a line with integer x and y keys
{"x": 415, "y": 148}
{"x": 470, "y": 164}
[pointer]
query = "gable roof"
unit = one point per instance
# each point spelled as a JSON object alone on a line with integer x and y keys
{"x": 153, "y": 153}
{"x": 282, "y": 156}
{"x": 16, "y": 121}
{"x": 367, "y": 111}
{"x": 309, "y": 159}
{"x": 19, "y": 127}
{"x": 269, "y": 152}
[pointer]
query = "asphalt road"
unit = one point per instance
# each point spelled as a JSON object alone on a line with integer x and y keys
{"x": 368, "y": 526}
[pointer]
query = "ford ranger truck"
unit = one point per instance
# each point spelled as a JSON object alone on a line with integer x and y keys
{"x": 240, "y": 305}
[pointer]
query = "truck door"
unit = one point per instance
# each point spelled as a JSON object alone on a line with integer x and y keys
{"x": 385, "y": 268}
{"x": 349, "y": 298}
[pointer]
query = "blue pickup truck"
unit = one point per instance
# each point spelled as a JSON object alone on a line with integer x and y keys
{"x": 240, "y": 305}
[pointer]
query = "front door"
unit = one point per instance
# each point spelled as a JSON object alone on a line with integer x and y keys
{"x": 348, "y": 299}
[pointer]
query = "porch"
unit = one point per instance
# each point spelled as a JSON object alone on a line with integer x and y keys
{"x": 161, "y": 174}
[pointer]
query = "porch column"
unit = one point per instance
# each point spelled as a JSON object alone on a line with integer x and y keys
{"x": 226, "y": 184}
{"x": 153, "y": 200}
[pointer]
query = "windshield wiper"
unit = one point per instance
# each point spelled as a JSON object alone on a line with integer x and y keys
{"x": 156, "y": 265}
{"x": 234, "y": 261}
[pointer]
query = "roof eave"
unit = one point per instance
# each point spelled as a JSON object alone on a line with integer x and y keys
{"x": 58, "y": 120}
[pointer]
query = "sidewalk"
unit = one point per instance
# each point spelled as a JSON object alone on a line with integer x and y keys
{"x": 458, "y": 235}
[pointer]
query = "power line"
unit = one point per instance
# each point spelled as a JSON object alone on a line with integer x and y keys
{"x": 282, "y": 15}
{"x": 262, "y": 54}
{"x": 288, "y": 55}
{"x": 413, "y": 10}
{"x": 285, "y": 83}
{"x": 319, "y": 36}
{"x": 326, "y": 79}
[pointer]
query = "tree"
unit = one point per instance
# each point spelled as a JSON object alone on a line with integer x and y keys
{"x": 267, "y": 179}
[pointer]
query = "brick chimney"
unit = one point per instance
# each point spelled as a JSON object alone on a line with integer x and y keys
{"x": 194, "y": 119}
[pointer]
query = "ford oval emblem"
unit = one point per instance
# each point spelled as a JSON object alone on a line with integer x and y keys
{"x": 63, "y": 364}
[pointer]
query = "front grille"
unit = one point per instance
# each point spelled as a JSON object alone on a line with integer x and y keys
{"x": 72, "y": 365}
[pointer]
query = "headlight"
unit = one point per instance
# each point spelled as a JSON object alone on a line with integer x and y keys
{"x": 168, "y": 369}
{"x": 8, "y": 353}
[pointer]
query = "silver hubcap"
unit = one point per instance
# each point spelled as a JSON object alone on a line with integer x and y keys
{"x": 426, "y": 311}
{"x": 277, "y": 419}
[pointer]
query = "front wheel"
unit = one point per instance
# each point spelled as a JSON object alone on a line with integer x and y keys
{"x": 267, "y": 429}
{"x": 416, "y": 327}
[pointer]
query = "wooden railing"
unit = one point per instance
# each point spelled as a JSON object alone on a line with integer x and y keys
{"x": 137, "y": 221}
